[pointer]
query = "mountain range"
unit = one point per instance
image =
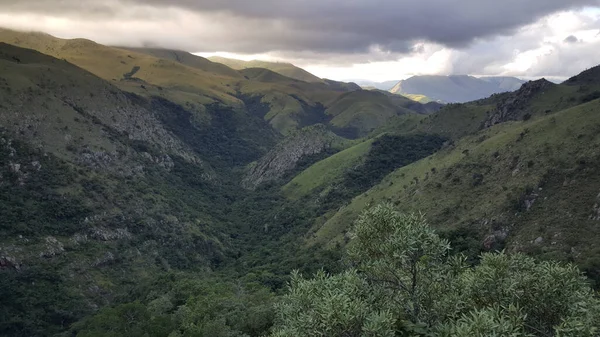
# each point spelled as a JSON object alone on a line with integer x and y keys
{"x": 155, "y": 187}
{"x": 447, "y": 89}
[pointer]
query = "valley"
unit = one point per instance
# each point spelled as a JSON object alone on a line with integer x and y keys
{"x": 153, "y": 192}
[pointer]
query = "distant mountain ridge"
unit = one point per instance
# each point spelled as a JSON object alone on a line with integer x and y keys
{"x": 455, "y": 88}
{"x": 285, "y": 69}
{"x": 385, "y": 85}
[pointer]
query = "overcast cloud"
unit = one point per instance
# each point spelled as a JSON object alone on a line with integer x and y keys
{"x": 486, "y": 37}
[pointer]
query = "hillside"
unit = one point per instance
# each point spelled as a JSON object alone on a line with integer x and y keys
{"x": 187, "y": 59}
{"x": 151, "y": 192}
{"x": 386, "y": 85}
{"x": 454, "y": 88}
{"x": 285, "y": 69}
{"x": 502, "y": 182}
{"x": 91, "y": 182}
{"x": 523, "y": 179}
{"x": 358, "y": 113}
{"x": 193, "y": 82}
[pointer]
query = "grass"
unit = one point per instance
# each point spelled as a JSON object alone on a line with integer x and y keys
{"x": 285, "y": 69}
{"x": 482, "y": 182}
{"x": 325, "y": 172}
{"x": 418, "y": 98}
{"x": 193, "y": 82}
{"x": 111, "y": 63}
{"x": 364, "y": 111}
{"x": 456, "y": 120}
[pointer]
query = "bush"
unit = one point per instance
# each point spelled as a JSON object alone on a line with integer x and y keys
{"x": 414, "y": 285}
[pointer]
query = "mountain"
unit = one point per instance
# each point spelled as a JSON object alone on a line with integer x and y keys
{"x": 285, "y": 69}
{"x": 152, "y": 192}
{"x": 386, "y": 85}
{"x": 455, "y": 88}
{"x": 193, "y": 82}
{"x": 508, "y": 172}
{"x": 187, "y": 59}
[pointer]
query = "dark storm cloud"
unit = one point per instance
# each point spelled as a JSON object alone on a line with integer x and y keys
{"x": 571, "y": 39}
{"x": 334, "y": 26}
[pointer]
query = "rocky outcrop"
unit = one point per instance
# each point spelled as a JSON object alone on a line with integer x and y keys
{"x": 514, "y": 106}
{"x": 596, "y": 210}
{"x": 284, "y": 157}
{"x": 52, "y": 247}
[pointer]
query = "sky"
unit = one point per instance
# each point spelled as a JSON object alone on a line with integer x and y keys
{"x": 376, "y": 40}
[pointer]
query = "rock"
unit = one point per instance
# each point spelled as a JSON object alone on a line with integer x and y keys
{"x": 36, "y": 165}
{"x": 8, "y": 262}
{"x": 105, "y": 234}
{"x": 495, "y": 239}
{"x": 284, "y": 157}
{"x": 513, "y": 107}
{"x": 79, "y": 238}
{"x": 529, "y": 204}
{"x": 53, "y": 247}
{"x": 14, "y": 167}
{"x": 595, "y": 212}
{"x": 107, "y": 259}
{"x": 538, "y": 241}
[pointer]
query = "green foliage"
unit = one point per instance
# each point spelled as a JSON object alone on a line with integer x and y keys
{"x": 401, "y": 253}
{"x": 179, "y": 305}
{"x": 415, "y": 288}
{"x": 387, "y": 154}
{"x": 232, "y": 139}
{"x": 339, "y": 305}
{"x": 131, "y": 319}
{"x": 547, "y": 293}
{"x": 37, "y": 302}
{"x": 29, "y": 202}
{"x": 490, "y": 322}
{"x": 590, "y": 97}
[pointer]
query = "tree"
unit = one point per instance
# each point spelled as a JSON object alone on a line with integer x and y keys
{"x": 402, "y": 254}
{"x": 338, "y": 305}
{"x": 405, "y": 283}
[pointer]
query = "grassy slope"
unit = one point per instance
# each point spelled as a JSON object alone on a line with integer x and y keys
{"x": 326, "y": 171}
{"x": 183, "y": 84}
{"x": 364, "y": 110}
{"x": 193, "y": 82}
{"x": 551, "y": 160}
{"x": 86, "y": 192}
{"x": 285, "y": 69}
{"x": 419, "y": 98}
{"x": 188, "y": 59}
{"x": 61, "y": 107}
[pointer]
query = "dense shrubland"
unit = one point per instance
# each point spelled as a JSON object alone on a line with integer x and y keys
{"x": 400, "y": 279}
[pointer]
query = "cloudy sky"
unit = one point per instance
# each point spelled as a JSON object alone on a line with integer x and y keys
{"x": 343, "y": 39}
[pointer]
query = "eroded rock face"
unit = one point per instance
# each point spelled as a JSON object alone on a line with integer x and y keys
{"x": 286, "y": 155}
{"x": 52, "y": 247}
{"x": 513, "y": 107}
{"x": 596, "y": 210}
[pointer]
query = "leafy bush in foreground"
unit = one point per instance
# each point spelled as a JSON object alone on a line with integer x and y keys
{"x": 403, "y": 282}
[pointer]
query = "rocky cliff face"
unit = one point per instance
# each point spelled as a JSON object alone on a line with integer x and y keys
{"x": 515, "y": 105}
{"x": 286, "y": 155}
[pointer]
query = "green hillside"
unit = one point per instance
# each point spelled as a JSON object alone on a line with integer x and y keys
{"x": 359, "y": 112}
{"x": 188, "y": 59}
{"x": 503, "y": 183}
{"x": 134, "y": 72}
{"x": 285, "y": 69}
{"x": 154, "y": 193}
{"x": 419, "y": 98}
